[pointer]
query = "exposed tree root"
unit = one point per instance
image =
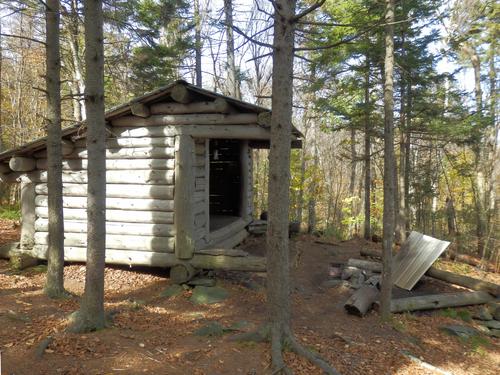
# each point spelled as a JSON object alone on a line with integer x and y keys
{"x": 57, "y": 293}
{"x": 278, "y": 363}
{"x": 312, "y": 357}
{"x": 82, "y": 323}
{"x": 281, "y": 341}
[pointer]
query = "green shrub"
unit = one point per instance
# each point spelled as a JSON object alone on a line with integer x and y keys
{"x": 10, "y": 212}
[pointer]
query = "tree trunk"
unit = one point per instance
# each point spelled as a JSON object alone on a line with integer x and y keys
{"x": 367, "y": 225}
{"x": 54, "y": 285}
{"x": 197, "y": 43}
{"x": 401, "y": 219}
{"x": 407, "y": 161}
{"x": 300, "y": 196}
{"x": 278, "y": 262}
{"x": 72, "y": 21}
{"x": 389, "y": 164}
{"x": 90, "y": 317}
{"x": 352, "y": 182}
{"x": 478, "y": 183}
{"x": 311, "y": 203}
{"x": 233, "y": 86}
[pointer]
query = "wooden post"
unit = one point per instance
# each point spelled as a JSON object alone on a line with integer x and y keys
{"x": 28, "y": 216}
{"x": 207, "y": 187}
{"x": 246, "y": 182}
{"x": 183, "y": 197}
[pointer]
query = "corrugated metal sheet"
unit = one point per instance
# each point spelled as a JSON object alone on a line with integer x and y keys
{"x": 415, "y": 257}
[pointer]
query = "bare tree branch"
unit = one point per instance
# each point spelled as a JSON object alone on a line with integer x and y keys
{"x": 22, "y": 37}
{"x": 306, "y": 11}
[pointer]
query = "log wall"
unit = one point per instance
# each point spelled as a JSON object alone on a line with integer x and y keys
{"x": 140, "y": 195}
{"x": 142, "y": 169}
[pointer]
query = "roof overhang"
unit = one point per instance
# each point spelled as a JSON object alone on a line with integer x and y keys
{"x": 161, "y": 94}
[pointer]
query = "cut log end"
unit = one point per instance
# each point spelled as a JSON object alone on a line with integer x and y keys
{"x": 362, "y": 301}
{"x": 181, "y": 94}
{"x": 182, "y": 273}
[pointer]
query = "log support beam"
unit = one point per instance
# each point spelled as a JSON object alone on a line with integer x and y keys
{"x": 184, "y": 191}
{"x": 140, "y": 109}
{"x": 181, "y": 94}
{"x": 28, "y": 216}
{"x": 153, "y": 259}
{"x": 22, "y": 164}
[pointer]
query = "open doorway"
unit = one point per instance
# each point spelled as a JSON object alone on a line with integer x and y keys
{"x": 225, "y": 182}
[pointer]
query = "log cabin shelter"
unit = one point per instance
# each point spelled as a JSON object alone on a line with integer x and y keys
{"x": 178, "y": 181}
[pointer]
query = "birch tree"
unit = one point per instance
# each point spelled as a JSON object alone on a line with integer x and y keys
{"x": 90, "y": 317}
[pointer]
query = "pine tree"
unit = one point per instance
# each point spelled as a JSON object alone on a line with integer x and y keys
{"x": 90, "y": 316}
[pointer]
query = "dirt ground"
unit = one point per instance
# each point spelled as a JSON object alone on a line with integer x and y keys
{"x": 155, "y": 335}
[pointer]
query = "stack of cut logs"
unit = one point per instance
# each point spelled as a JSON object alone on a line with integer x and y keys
{"x": 363, "y": 276}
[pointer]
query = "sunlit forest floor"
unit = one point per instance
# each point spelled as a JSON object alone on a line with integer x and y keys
{"x": 156, "y": 335}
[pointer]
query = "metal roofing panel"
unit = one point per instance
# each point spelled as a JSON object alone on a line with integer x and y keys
{"x": 415, "y": 257}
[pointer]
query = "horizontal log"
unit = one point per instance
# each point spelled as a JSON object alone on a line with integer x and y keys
{"x": 147, "y": 177}
{"x": 146, "y": 258}
{"x": 450, "y": 277}
{"x": 200, "y": 219}
{"x": 470, "y": 260}
{"x": 122, "y": 142}
{"x": 199, "y": 171}
{"x": 199, "y": 149}
{"x": 231, "y": 241}
{"x": 125, "y": 216}
{"x": 115, "y": 241}
{"x": 191, "y": 119}
{"x": 116, "y": 190}
{"x": 219, "y": 105}
{"x": 22, "y": 164}
{"x": 199, "y": 183}
{"x": 67, "y": 147}
{"x": 181, "y": 94}
{"x": 121, "y": 153}
{"x": 226, "y": 252}
{"x": 140, "y": 132}
{"x": 113, "y": 203}
{"x": 439, "y": 301}
{"x": 465, "y": 281}
{"x": 221, "y": 234}
{"x": 362, "y": 300}
{"x": 264, "y": 119}
{"x": 139, "y": 109}
{"x": 70, "y": 226}
{"x": 365, "y": 264}
{"x": 113, "y": 164}
{"x": 247, "y": 131}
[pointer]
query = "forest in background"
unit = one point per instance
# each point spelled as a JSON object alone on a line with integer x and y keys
{"x": 446, "y": 126}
